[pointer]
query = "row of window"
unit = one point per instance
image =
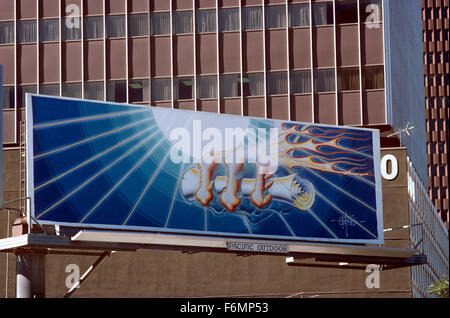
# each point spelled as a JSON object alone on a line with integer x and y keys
{"x": 428, "y": 12}
{"x": 205, "y": 21}
{"x": 438, "y": 80}
{"x": 436, "y": 57}
{"x": 436, "y": 35}
{"x": 438, "y": 102}
{"x": 231, "y": 85}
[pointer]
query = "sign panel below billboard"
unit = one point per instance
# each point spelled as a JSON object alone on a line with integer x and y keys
{"x": 114, "y": 166}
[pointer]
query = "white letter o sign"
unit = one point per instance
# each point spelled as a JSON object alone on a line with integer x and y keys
{"x": 384, "y": 167}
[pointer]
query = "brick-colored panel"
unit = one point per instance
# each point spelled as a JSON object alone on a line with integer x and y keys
{"x": 7, "y": 60}
{"x": 253, "y": 51}
{"x": 116, "y": 62}
{"x": 72, "y": 61}
{"x": 349, "y": 109}
{"x": 139, "y": 56}
{"x": 300, "y": 56}
{"x": 160, "y": 56}
{"x": 184, "y": 55}
{"x": 278, "y": 107}
{"x": 229, "y": 52}
{"x": 27, "y": 67}
{"x": 49, "y": 62}
{"x": 325, "y": 109}
{"x": 207, "y": 53}
{"x": 93, "y": 60}
{"x": 301, "y": 108}
{"x": 323, "y": 42}
{"x": 49, "y": 8}
{"x": 276, "y": 50}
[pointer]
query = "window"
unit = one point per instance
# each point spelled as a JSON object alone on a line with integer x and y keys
{"x": 299, "y": 15}
{"x": 229, "y": 19}
{"x": 6, "y": 32}
{"x": 277, "y": 83}
{"x": 27, "y": 31}
{"x": 161, "y": 89}
{"x": 252, "y": 18}
{"x": 138, "y": 91}
{"x": 94, "y": 90}
{"x": 205, "y": 21}
{"x": 431, "y": 102}
{"x": 275, "y": 17}
{"x": 21, "y": 94}
{"x": 160, "y": 23}
{"x": 71, "y": 32}
{"x": 183, "y": 88}
{"x": 300, "y": 82}
{"x": 48, "y": 30}
{"x": 116, "y": 91}
{"x": 72, "y": 90}
{"x": 438, "y": 80}
{"x": 348, "y": 79}
{"x": 49, "y": 89}
{"x": 322, "y": 13}
{"x": 8, "y": 97}
{"x": 182, "y": 21}
{"x": 371, "y": 11}
{"x": 93, "y": 27}
{"x": 253, "y": 84}
{"x": 115, "y": 26}
{"x": 138, "y": 24}
{"x": 230, "y": 85}
{"x": 324, "y": 80}
{"x": 206, "y": 87}
{"x": 346, "y": 11}
{"x": 373, "y": 77}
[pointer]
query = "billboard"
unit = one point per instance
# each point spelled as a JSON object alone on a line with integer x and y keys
{"x": 141, "y": 168}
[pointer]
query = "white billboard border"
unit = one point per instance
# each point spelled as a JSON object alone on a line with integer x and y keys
{"x": 250, "y": 237}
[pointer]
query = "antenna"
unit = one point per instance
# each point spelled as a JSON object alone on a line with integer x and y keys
{"x": 405, "y": 130}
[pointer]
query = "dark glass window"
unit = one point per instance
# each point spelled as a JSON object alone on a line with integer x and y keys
{"x": 48, "y": 30}
{"x": 371, "y": 11}
{"x": 205, "y": 21}
{"x": 348, "y": 79}
{"x": 206, "y": 87}
{"x": 116, "y": 91}
{"x": 322, "y": 13}
{"x": 8, "y": 96}
{"x": 94, "y": 90}
{"x": 49, "y": 89}
{"x": 115, "y": 26}
{"x": 373, "y": 77}
{"x": 346, "y": 11}
{"x": 277, "y": 83}
{"x": 138, "y": 91}
{"x": 161, "y": 89}
{"x": 230, "y": 85}
{"x": 21, "y": 94}
{"x": 184, "y": 88}
{"x": 93, "y": 27}
{"x": 27, "y": 31}
{"x": 229, "y": 19}
{"x": 253, "y": 84}
{"x": 72, "y": 90}
{"x": 138, "y": 24}
{"x": 300, "y": 82}
{"x": 252, "y": 18}
{"x": 160, "y": 23}
{"x": 299, "y": 15}
{"x": 6, "y": 32}
{"x": 324, "y": 80}
{"x": 182, "y": 21}
{"x": 275, "y": 17}
{"x": 71, "y": 30}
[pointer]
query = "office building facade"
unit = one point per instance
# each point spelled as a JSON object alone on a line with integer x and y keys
{"x": 332, "y": 62}
{"x": 437, "y": 101}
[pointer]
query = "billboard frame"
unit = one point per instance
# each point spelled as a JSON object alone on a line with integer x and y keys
{"x": 250, "y": 237}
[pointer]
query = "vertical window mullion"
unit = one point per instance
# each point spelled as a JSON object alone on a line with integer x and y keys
{"x": 241, "y": 57}
{"x": 335, "y": 65}
{"x": 264, "y": 57}
{"x": 312, "y": 63}
{"x": 194, "y": 39}
{"x": 104, "y": 50}
{"x": 288, "y": 73}
{"x": 361, "y": 108}
{"x": 218, "y": 56}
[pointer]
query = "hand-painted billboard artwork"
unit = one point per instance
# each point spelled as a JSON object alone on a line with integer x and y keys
{"x": 104, "y": 165}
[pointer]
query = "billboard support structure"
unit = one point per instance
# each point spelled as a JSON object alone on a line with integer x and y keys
{"x": 30, "y": 273}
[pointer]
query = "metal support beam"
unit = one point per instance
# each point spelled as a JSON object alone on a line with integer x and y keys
{"x": 87, "y": 273}
{"x": 30, "y": 273}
